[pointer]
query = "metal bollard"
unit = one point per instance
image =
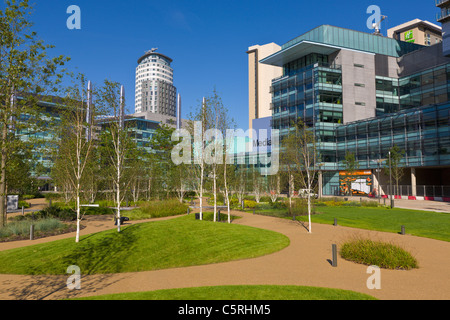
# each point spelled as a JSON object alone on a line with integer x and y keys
{"x": 334, "y": 255}
{"x": 335, "y": 222}
{"x": 23, "y": 211}
{"x": 403, "y": 230}
{"x": 188, "y": 210}
{"x": 32, "y": 232}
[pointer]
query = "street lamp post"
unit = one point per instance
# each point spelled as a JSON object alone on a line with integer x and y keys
{"x": 390, "y": 181}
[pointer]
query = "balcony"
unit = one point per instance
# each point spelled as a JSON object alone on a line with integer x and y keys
{"x": 444, "y": 15}
{"x": 442, "y": 3}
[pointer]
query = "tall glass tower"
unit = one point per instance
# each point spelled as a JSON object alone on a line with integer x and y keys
{"x": 155, "y": 91}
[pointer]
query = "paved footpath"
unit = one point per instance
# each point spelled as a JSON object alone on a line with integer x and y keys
{"x": 306, "y": 262}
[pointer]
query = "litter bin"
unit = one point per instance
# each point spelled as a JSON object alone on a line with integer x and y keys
{"x": 122, "y": 220}
{"x": 197, "y": 216}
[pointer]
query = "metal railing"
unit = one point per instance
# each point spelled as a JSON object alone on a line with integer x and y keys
{"x": 445, "y": 13}
{"x": 435, "y": 191}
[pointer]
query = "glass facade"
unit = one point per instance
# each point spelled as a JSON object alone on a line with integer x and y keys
{"x": 411, "y": 111}
{"x": 428, "y": 87}
{"x": 424, "y": 134}
{"x": 310, "y": 89}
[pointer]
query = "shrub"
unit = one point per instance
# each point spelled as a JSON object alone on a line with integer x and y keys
{"x": 157, "y": 209}
{"x": 64, "y": 213}
{"x": 381, "y": 254}
{"x": 52, "y": 196}
{"x": 97, "y": 211}
{"x": 250, "y": 204}
{"x": 21, "y": 228}
{"x": 279, "y": 205}
{"x": 370, "y": 203}
{"x": 209, "y": 216}
{"x": 24, "y": 204}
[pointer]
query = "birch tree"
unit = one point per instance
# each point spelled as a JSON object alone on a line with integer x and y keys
{"x": 26, "y": 73}
{"x": 216, "y": 148}
{"x": 300, "y": 154}
{"x": 198, "y": 125}
{"x": 75, "y": 147}
{"x": 274, "y": 187}
{"x": 117, "y": 144}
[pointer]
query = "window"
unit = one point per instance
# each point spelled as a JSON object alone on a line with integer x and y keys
{"x": 358, "y": 65}
{"x": 360, "y": 103}
{"x": 362, "y": 85}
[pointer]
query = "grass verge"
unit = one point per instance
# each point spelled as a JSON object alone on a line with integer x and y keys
{"x": 257, "y": 292}
{"x": 435, "y": 225}
{"x": 178, "y": 242}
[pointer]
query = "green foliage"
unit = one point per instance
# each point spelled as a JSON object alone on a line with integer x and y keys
{"x": 172, "y": 243}
{"x": 63, "y": 214}
{"x": 157, "y": 209}
{"x": 24, "y": 204}
{"x": 336, "y": 202}
{"x": 209, "y": 216}
{"x": 21, "y": 228}
{"x": 250, "y": 204}
{"x": 279, "y": 205}
{"x": 381, "y": 254}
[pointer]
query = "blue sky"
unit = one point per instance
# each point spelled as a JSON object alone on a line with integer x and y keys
{"x": 207, "y": 40}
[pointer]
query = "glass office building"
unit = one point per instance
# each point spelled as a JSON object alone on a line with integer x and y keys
{"x": 364, "y": 93}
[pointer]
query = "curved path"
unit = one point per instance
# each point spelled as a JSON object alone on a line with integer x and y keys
{"x": 306, "y": 262}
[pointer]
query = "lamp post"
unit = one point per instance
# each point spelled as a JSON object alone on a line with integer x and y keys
{"x": 390, "y": 180}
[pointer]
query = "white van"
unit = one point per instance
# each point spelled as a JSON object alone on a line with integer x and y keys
{"x": 303, "y": 193}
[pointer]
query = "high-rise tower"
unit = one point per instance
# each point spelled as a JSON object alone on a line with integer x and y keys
{"x": 155, "y": 91}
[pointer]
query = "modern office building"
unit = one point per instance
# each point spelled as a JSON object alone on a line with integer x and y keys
{"x": 155, "y": 92}
{"x": 365, "y": 93}
{"x": 417, "y": 31}
{"x": 259, "y": 81}
{"x": 444, "y": 18}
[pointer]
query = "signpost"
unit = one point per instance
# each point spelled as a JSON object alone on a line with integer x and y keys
{"x": 12, "y": 203}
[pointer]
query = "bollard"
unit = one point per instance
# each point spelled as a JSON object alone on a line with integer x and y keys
{"x": 218, "y": 216}
{"x": 335, "y": 222}
{"x": 334, "y": 254}
{"x": 253, "y": 210}
{"x": 188, "y": 210}
{"x": 23, "y": 211}
{"x": 403, "y": 230}
{"x": 32, "y": 232}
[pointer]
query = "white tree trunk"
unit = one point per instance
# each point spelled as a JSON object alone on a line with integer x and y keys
{"x": 77, "y": 238}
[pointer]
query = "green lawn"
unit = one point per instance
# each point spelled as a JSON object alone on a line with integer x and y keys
{"x": 178, "y": 242}
{"x": 434, "y": 225}
{"x": 259, "y": 292}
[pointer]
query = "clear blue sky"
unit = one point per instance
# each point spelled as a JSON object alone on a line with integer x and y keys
{"x": 207, "y": 40}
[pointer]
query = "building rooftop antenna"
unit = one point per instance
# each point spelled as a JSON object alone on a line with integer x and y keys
{"x": 376, "y": 26}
